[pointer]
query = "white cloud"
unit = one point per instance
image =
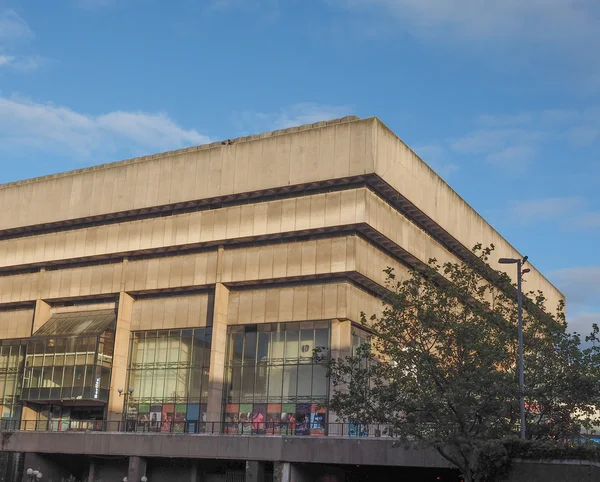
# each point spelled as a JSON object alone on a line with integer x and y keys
{"x": 515, "y": 157}
{"x": 6, "y": 59}
{"x": 580, "y": 285}
{"x": 31, "y": 126}
{"x": 436, "y": 157}
{"x": 250, "y": 122}
{"x": 582, "y": 322}
{"x": 12, "y": 27}
{"x": 13, "y": 31}
{"x": 536, "y": 210}
{"x": 555, "y": 20}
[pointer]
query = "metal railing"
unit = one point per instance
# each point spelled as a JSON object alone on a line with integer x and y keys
{"x": 333, "y": 429}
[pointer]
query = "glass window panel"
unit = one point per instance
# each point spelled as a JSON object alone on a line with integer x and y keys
{"x": 79, "y": 376}
{"x": 36, "y": 378}
{"x": 68, "y": 376}
{"x": 205, "y": 375}
{"x": 236, "y": 383}
{"x": 277, "y": 345}
{"x": 238, "y": 347}
{"x": 261, "y": 383}
{"x": 247, "y": 392}
{"x": 195, "y": 384}
{"x": 46, "y": 377}
{"x": 275, "y": 383}
{"x": 158, "y": 384}
{"x": 250, "y": 347}
{"x": 174, "y": 348}
{"x": 182, "y": 382}
{"x": 171, "y": 384}
{"x": 307, "y": 343}
{"x": 291, "y": 344}
{"x": 89, "y": 376}
{"x": 304, "y": 380}
{"x": 290, "y": 381}
{"x": 322, "y": 337}
{"x": 150, "y": 351}
{"x": 319, "y": 381}
{"x": 262, "y": 354}
{"x": 162, "y": 345}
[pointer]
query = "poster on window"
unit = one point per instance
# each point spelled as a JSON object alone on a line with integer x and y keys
{"x": 155, "y": 417}
{"x": 303, "y": 419}
{"x": 232, "y": 414}
{"x": 246, "y": 411}
{"x": 179, "y": 418}
{"x": 168, "y": 413}
{"x": 288, "y": 418}
{"x": 317, "y": 420}
{"x": 143, "y": 417}
{"x": 259, "y": 416}
{"x": 273, "y": 426}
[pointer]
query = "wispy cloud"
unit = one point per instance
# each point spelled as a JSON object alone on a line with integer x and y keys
{"x": 515, "y": 140}
{"x": 13, "y": 28}
{"x": 513, "y": 20}
{"x": 14, "y": 31}
{"x": 28, "y": 126}
{"x": 536, "y": 210}
{"x": 437, "y": 158}
{"x": 560, "y": 32}
{"x": 581, "y": 285}
{"x": 251, "y": 122}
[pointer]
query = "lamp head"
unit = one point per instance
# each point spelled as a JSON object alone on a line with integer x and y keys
{"x": 131, "y": 389}
{"x": 35, "y": 472}
{"x": 120, "y": 390}
{"x": 507, "y": 260}
{"x": 144, "y": 478}
{"x": 39, "y": 475}
{"x": 526, "y": 270}
{"x": 29, "y": 471}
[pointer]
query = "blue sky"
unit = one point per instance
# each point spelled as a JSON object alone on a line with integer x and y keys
{"x": 501, "y": 98}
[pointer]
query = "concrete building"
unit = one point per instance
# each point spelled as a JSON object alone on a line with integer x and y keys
{"x": 167, "y": 306}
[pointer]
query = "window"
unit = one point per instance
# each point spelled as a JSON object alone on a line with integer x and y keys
{"x": 272, "y": 382}
{"x": 168, "y": 371}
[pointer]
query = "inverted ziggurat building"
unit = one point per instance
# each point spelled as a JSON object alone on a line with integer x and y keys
{"x": 166, "y": 308}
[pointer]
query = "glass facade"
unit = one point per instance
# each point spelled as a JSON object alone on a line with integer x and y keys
{"x": 70, "y": 358}
{"x": 168, "y": 372}
{"x": 12, "y": 358}
{"x": 272, "y": 384}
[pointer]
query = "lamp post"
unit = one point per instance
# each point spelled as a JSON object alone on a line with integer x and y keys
{"x": 33, "y": 475}
{"x": 520, "y": 272}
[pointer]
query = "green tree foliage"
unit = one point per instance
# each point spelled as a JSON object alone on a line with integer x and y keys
{"x": 441, "y": 367}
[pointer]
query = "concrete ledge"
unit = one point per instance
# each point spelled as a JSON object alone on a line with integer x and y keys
{"x": 330, "y": 450}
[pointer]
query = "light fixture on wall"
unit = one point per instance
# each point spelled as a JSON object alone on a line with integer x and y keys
{"x": 144, "y": 478}
{"x": 120, "y": 390}
{"x": 131, "y": 390}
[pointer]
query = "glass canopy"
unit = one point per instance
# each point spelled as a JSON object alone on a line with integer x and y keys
{"x": 70, "y": 358}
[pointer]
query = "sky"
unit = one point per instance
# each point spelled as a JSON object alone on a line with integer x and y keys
{"x": 501, "y": 98}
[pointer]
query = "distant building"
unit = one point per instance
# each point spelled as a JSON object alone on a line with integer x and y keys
{"x": 183, "y": 293}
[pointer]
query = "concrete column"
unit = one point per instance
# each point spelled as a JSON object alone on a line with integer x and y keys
{"x": 120, "y": 361}
{"x": 41, "y": 315}
{"x": 341, "y": 346}
{"x": 92, "y": 471}
{"x": 218, "y": 349}
{"x": 282, "y": 472}
{"x": 255, "y": 471}
{"x": 137, "y": 468}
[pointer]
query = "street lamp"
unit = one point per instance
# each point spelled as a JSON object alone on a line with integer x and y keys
{"x": 520, "y": 272}
{"x": 144, "y": 478}
{"x": 33, "y": 475}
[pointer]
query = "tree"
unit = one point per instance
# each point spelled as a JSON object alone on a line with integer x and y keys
{"x": 440, "y": 369}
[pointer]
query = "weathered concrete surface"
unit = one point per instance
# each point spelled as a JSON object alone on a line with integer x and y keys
{"x": 329, "y": 450}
